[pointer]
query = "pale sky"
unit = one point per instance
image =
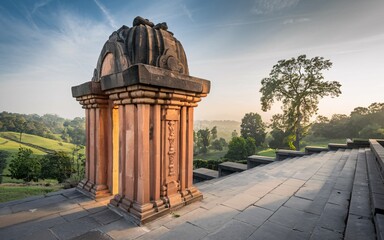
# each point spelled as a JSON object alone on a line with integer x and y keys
{"x": 50, "y": 45}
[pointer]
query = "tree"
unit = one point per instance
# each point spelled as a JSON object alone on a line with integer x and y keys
{"x": 3, "y": 162}
{"x": 74, "y": 131}
{"x": 234, "y": 134}
{"x": 252, "y": 126}
{"x": 299, "y": 84}
{"x": 376, "y": 107}
{"x": 25, "y": 166}
{"x": 240, "y": 148}
{"x": 214, "y": 133}
{"x": 203, "y": 140}
{"x": 372, "y": 131}
{"x": 57, "y": 165}
{"x": 79, "y": 159}
{"x": 280, "y": 132}
{"x": 219, "y": 144}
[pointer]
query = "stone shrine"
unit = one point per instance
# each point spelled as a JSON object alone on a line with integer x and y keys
{"x": 139, "y": 110}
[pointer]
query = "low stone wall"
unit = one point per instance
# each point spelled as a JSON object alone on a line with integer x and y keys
{"x": 378, "y": 149}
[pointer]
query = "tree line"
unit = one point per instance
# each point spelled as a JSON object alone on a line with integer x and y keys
{"x": 48, "y": 126}
{"x": 57, "y": 165}
{"x": 362, "y": 122}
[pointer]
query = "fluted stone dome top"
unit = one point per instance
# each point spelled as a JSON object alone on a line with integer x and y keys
{"x": 143, "y": 43}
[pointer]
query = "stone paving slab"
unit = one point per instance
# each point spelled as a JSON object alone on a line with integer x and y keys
{"x": 333, "y": 218}
{"x": 92, "y": 235}
{"x": 75, "y": 228}
{"x": 231, "y": 230}
{"x": 272, "y": 231}
{"x": 272, "y": 201}
{"x": 123, "y": 229}
{"x": 255, "y": 216}
{"x": 240, "y": 201}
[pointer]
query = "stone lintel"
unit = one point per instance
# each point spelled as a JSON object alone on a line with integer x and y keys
{"x": 87, "y": 88}
{"x": 154, "y": 77}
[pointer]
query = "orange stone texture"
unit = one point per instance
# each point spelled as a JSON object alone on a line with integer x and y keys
{"x": 139, "y": 122}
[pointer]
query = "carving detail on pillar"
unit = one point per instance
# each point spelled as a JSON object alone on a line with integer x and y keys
{"x": 171, "y": 151}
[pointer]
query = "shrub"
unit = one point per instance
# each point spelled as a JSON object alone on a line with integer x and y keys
{"x": 210, "y": 164}
{"x": 240, "y": 148}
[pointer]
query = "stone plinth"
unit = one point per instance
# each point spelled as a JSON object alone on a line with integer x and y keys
{"x": 139, "y": 122}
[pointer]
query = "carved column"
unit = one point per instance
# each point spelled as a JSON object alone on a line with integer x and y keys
{"x": 97, "y": 112}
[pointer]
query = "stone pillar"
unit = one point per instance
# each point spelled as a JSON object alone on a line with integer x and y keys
{"x": 156, "y": 150}
{"x": 97, "y": 114}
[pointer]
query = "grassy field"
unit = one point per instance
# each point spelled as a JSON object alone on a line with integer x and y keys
{"x": 40, "y": 141}
{"x": 19, "y": 191}
{"x": 320, "y": 142}
{"x": 13, "y": 147}
{"x": 267, "y": 152}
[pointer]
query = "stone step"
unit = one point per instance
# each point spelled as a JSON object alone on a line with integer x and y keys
{"x": 227, "y": 168}
{"x": 357, "y": 143}
{"x": 331, "y": 202}
{"x": 376, "y": 186}
{"x": 379, "y": 224}
{"x": 203, "y": 174}
{"x": 336, "y": 146}
{"x": 256, "y": 160}
{"x": 360, "y": 223}
{"x": 282, "y": 154}
{"x": 314, "y": 149}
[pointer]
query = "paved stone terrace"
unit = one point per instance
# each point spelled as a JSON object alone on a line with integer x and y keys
{"x": 302, "y": 198}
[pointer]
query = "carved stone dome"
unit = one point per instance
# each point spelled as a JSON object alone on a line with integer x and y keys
{"x": 144, "y": 43}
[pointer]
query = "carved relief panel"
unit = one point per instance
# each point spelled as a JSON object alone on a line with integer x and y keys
{"x": 170, "y": 156}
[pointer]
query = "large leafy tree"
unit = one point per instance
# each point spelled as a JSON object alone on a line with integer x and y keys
{"x": 57, "y": 165}
{"x": 299, "y": 84}
{"x": 25, "y": 166}
{"x": 203, "y": 140}
{"x": 252, "y": 126}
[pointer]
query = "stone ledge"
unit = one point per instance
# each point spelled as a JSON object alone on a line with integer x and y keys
{"x": 154, "y": 76}
{"x": 282, "y": 154}
{"x": 357, "y": 143}
{"x": 203, "y": 174}
{"x": 337, "y": 146}
{"x": 378, "y": 151}
{"x": 227, "y": 168}
{"x": 87, "y": 88}
{"x": 256, "y": 160}
{"x": 314, "y": 149}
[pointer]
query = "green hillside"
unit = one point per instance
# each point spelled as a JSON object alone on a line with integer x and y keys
{"x": 13, "y": 147}
{"x": 42, "y": 142}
